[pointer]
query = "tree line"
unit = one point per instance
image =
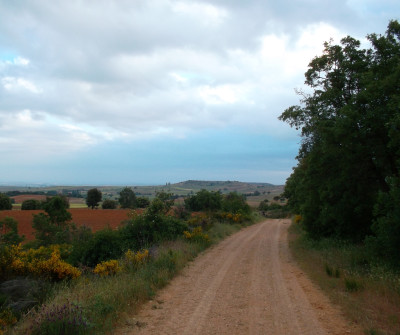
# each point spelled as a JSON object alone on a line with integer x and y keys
{"x": 346, "y": 183}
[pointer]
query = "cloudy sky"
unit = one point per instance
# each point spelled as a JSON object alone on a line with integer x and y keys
{"x": 152, "y": 91}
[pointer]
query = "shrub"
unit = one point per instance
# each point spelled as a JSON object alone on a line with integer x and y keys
{"x": 134, "y": 260}
{"x": 235, "y": 203}
{"x": 9, "y": 232}
{"x": 107, "y": 268}
{"x": 297, "y": 219}
{"x": 151, "y": 227}
{"x": 202, "y": 219}
{"x": 204, "y": 201}
{"x": 68, "y": 318}
{"x": 5, "y": 202}
{"x": 197, "y": 235}
{"x": 104, "y": 245}
{"x": 231, "y": 217}
{"x": 263, "y": 206}
{"x": 142, "y": 202}
{"x": 31, "y": 204}
{"x": 43, "y": 262}
{"x": 109, "y": 204}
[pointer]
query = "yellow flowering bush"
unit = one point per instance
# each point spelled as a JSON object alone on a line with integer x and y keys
{"x": 107, "y": 268}
{"x": 231, "y": 217}
{"x": 297, "y": 219}
{"x": 196, "y": 235}
{"x": 43, "y": 262}
{"x": 200, "y": 219}
{"x": 55, "y": 268}
{"x": 132, "y": 259}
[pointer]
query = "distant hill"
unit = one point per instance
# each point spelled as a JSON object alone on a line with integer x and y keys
{"x": 181, "y": 189}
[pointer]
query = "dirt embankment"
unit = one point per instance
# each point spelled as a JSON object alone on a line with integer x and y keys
{"x": 248, "y": 284}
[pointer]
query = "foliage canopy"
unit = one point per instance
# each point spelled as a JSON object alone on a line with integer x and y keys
{"x": 93, "y": 197}
{"x": 349, "y": 158}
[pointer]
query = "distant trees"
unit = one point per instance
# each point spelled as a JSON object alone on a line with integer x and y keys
{"x": 349, "y": 160}
{"x": 127, "y": 198}
{"x": 93, "y": 197}
{"x": 5, "y": 202}
{"x": 204, "y": 200}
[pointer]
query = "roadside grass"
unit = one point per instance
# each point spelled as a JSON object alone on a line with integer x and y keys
{"x": 367, "y": 292}
{"x": 105, "y": 302}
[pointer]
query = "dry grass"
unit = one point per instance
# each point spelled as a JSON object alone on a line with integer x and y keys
{"x": 369, "y": 296}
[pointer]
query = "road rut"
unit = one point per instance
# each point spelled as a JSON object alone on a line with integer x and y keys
{"x": 247, "y": 284}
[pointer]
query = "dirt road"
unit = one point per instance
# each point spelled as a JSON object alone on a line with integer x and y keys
{"x": 247, "y": 284}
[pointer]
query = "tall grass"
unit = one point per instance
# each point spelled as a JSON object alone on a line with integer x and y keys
{"x": 103, "y": 301}
{"x": 367, "y": 290}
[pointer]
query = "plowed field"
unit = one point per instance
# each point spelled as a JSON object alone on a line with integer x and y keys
{"x": 94, "y": 218}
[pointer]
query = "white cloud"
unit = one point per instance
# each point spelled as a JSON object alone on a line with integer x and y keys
{"x": 83, "y": 73}
{"x": 17, "y": 84}
{"x": 206, "y": 13}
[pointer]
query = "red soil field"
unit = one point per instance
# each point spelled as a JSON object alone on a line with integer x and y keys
{"x": 94, "y": 218}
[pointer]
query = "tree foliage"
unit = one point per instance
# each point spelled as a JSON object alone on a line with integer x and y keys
{"x": 5, "y": 202}
{"x": 204, "y": 200}
{"x": 235, "y": 203}
{"x": 9, "y": 232}
{"x": 31, "y": 204}
{"x": 93, "y": 197}
{"x": 350, "y": 127}
{"x": 109, "y": 204}
{"x": 127, "y": 198}
{"x": 53, "y": 226}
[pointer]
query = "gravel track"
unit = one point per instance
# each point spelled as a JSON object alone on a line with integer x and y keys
{"x": 247, "y": 284}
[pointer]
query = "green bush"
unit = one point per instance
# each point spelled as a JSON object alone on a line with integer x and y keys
{"x": 109, "y": 204}
{"x": 31, "y": 204}
{"x": 9, "y": 232}
{"x": 149, "y": 228}
{"x": 204, "y": 201}
{"x": 235, "y": 203}
{"x": 101, "y": 246}
{"x": 5, "y": 202}
{"x": 142, "y": 202}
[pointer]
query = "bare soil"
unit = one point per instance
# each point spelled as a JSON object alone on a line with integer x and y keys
{"x": 247, "y": 284}
{"x": 96, "y": 219}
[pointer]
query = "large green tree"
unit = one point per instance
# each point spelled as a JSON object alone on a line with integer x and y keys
{"x": 350, "y": 135}
{"x": 93, "y": 197}
{"x": 127, "y": 198}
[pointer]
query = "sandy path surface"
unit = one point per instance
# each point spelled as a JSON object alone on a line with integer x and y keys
{"x": 247, "y": 284}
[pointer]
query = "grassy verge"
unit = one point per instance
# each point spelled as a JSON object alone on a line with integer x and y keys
{"x": 368, "y": 293}
{"x": 94, "y": 305}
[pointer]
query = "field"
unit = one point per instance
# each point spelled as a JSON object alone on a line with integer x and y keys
{"x": 96, "y": 219}
{"x": 181, "y": 189}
